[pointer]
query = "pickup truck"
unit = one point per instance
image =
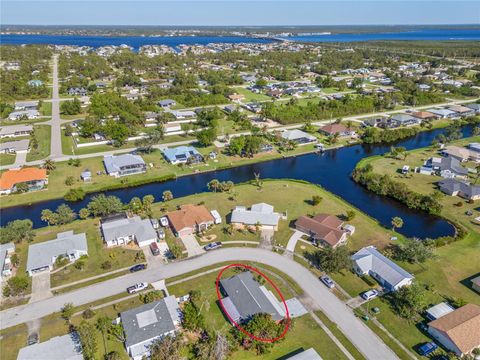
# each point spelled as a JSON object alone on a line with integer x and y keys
{"x": 136, "y": 288}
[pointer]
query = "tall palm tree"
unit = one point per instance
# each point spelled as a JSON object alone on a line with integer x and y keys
{"x": 49, "y": 165}
{"x": 397, "y": 223}
{"x": 103, "y": 324}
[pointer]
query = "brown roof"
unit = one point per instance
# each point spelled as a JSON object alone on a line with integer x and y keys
{"x": 189, "y": 216}
{"x": 334, "y": 128}
{"x": 10, "y": 178}
{"x": 323, "y": 226}
{"x": 462, "y": 326}
{"x": 423, "y": 115}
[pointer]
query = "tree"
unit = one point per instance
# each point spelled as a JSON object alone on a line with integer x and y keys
{"x": 192, "y": 320}
{"x": 113, "y": 355}
{"x": 65, "y": 214}
{"x": 408, "y": 301}
{"x": 147, "y": 202}
{"x": 332, "y": 260}
{"x": 88, "y": 339}
{"x": 74, "y": 195}
{"x": 73, "y": 107}
{"x": 49, "y": 217}
{"x": 102, "y": 205}
{"x": 21, "y": 188}
{"x": 350, "y": 215}
{"x": 397, "y": 223}
{"x": 146, "y": 143}
{"x": 16, "y": 231}
{"x": 262, "y": 326}
{"x": 151, "y": 296}
{"x": 49, "y": 165}
{"x": 206, "y": 137}
{"x": 414, "y": 251}
{"x": 16, "y": 285}
{"x": 316, "y": 200}
{"x": 214, "y": 185}
{"x": 117, "y": 332}
{"x": 67, "y": 311}
{"x": 102, "y": 324}
{"x": 69, "y": 181}
{"x": 167, "y": 196}
{"x": 166, "y": 348}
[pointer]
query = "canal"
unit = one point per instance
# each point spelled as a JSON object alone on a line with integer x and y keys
{"x": 331, "y": 170}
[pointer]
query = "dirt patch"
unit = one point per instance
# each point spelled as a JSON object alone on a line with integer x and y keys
{"x": 208, "y": 238}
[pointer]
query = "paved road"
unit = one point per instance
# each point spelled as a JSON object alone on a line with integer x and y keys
{"x": 358, "y": 333}
{"x": 56, "y": 122}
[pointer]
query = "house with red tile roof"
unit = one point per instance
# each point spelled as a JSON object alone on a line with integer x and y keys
{"x": 190, "y": 219}
{"x": 34, "y": 178}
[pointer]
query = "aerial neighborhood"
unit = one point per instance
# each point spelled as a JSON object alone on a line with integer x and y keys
{"x": 256, "y": 197}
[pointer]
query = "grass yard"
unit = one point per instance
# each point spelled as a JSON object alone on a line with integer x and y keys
{"x": 249, "y": 95}
{"x": 7, "y": 159}
{"x": 46, "y": 109}
{"x": 43, "y": 135}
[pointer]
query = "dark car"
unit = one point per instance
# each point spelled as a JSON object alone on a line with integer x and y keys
{"x": 213, "y": 245}
{"x": 32, "y": 339}
{"x": 138, "y": 267}
{"x": 154, "y": 249}
{"x": 427, "y": 348}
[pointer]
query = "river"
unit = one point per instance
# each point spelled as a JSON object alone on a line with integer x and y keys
{"x": 331, "y": 170}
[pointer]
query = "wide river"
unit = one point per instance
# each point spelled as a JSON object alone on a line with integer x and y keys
{"x": 331, "y": 170}
{"x": 174, "y": 41}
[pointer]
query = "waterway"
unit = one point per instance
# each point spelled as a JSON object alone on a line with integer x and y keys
{"x": 331, "y": 170}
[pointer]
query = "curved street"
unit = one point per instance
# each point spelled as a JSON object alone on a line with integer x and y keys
{"x": 359, "y": 334}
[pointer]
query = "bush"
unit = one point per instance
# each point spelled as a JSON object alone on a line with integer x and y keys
{"x": 74, "y": 194}
{"x": 69, "y": 181}
{"x": 316, "y": 199}
{"x": 88, "y": 313}
{"x": 106, "y": 265}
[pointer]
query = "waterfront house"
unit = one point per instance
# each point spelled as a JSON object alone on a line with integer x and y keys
{"x": 123, "y": 165}
{"x": 463, "y": 111}
{"x": 15, "y": 131}
{"x": 42, "y": 256}
{"x": 474, "y": 106}
{"x": 182, "y": 155}
{"x": 15, "y": 147}
{"x": 340, "y": 129}
{"x": 189, "y": 219}
{"x": 167, "y": 103}
{"x": 65, "y": 347}
{"x": 148, "y": 323}
{"x": 424, "y": 115}
{"x": 369, "y": 261}
{"x": 34, "y": 178}
{"x": 454, "y": 187}
{"x": 460, "y": 153}
{"x": 259, "y": 214}
{"x": 244, "y": 297}
{"x": 323, "y": 229}
{"x": 86, "y": 175}
{"x": 120, "y": 230}
{"x": 403, "y": 120}
{"x": 6, "y": 251}
{"x": 446, "y": 167}
{"x": 444, "y": 113}
{"x": 459, "y": 330}
{"x": 299, "y": 137}
{"x": 476, "y": 284}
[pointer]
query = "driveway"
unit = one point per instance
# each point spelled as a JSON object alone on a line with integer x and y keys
{"x": 40, "y": 286}
{"x": 358, "y": 333}
{"x": 152, "y": 260}
{"x": 191, "y": 244}
{"x": 292, "y": 242}
{"x": 266, "y": 237}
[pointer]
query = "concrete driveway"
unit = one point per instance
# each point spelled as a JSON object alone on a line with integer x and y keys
{"x": 191, "y": 244}
{"x": 152, "y": 260}
{"x": 40, "y": 286}
{"x": 266, "y": 237}
{"x": 292, "y": 242}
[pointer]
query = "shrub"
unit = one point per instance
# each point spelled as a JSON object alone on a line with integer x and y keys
{"x": 106, "y": 265}
{"x": 88, "y": 313}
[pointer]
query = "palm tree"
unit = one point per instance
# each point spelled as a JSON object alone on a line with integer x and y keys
{"x": 397, "y": 223}
{"x": 103, "y": 324}
{"x": 214, "y": 185}
{"x": 49, "y": 165}
{"x": 48, "y": 216}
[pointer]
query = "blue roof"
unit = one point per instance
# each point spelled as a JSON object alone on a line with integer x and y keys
{"x": 181, "y": 153}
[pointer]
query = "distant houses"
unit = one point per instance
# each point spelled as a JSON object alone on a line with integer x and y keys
{"x": 120, "y": 230}
{"x": 75, "y": 91}
{"x": 123, "y": 165}
{"x": 369, "y": 261}
{"x": 167, "y": 103}
{"x": 33, "y": 178}
{"x": 24, "y": 114}
{"x": 189, "y": 219}
{"x": 42, "y": 256}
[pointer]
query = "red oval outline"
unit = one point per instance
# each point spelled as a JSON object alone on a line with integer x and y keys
{"x": 219, "y": 295}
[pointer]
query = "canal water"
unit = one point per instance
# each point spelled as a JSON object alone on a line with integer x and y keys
{"x": 331, "y": 170}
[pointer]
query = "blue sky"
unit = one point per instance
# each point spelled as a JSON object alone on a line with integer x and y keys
{"x": 235, "y": 12}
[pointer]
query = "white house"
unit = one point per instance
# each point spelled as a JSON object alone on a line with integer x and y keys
{"x": 120, "y": 231}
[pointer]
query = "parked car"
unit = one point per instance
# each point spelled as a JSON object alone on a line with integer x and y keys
{"x": 32, "y": 339}
{"x": 136, "y": 288}
{"x": 154, "y": 249}
{"x": 213, "y": 245}
{"x": 161, "y": 234}
{"x": 327, "y": 281}
{"x": 155, "y": 223}
{"x": 138, "y": 267}
{"x": 370, "y": 294}
{"x": 427, "y": 348}
{"x": 164, "y": 221}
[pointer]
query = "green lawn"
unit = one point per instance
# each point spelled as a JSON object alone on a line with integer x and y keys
{"x": 250, "y": 96}
{"x": 7, "y": 159}
{"x": 46, "y": 109}
{"x": 43, "y": 135}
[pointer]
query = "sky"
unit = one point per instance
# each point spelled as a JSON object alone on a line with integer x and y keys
{"x": 239, "y": 12}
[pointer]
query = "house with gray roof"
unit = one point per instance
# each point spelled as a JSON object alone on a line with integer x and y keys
{"x": 183, "y": 114}
{"x": 66, "y": 347}
{"x": 123, "y": 165}
{"x": 298, "y": 136}
{"x": 182, "y": 155}
{"x": 309, "y": 354}
{"x": 368, "y": 261}
{"x": 446, "y": 167}
{"x": 15, "y": 131}
{"x": 454, "y": 187}
{"x": 6, "y": 251}
{"x": 15, "y": 147}
{"x": 244, "y": 297}
{"x": 261, "y": 214}
{"x": 120, "y": 231}
{"x": 404, "y": 120}
{"x": 42, "y": 256}
{"x": 150, "y": 322}
{"x": 27, "y": 114}
{"x": 474, "y": 106}
{"x": 167, "y": 103}
{"x": 26, "y": 105}
{"x": 444, "y": 113}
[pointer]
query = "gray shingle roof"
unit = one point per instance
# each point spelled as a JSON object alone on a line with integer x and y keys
{"x": 142, "y": 229}
{"x": 259, "y": 213}
{"x": 19, "y": 145}
{"x": 309, "y": 354}
{"x": 150, "y": 320}
{"x": 451, "y": 186}
{"x": 369, "y": 259}
{"x": 248, "y": 297}
{"x": 40, "y": 255}
{"x": 6, "y": 130}
{"x": 66, "y": 347}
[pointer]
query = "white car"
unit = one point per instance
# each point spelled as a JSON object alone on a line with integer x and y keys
{"x": 136, "y": 288}
{"x": 164, "y": 221}
{"x": 370, "y": 294}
